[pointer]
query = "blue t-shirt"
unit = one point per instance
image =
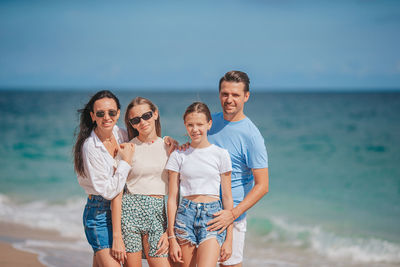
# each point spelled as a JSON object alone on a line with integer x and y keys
{"x": 246, "y": 147}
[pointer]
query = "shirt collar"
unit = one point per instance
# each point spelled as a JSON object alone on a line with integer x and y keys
{"x": 97, "y": 141}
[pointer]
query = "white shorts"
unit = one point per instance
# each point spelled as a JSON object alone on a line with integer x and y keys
{"x": 239, "y": 233}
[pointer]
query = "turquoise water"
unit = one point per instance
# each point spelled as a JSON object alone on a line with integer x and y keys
{"x": 334, "y": 166}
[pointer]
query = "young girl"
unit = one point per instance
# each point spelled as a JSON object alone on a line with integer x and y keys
{"x": 143, "y": 215}
{"x": 99, "y": 172}
{"x": 198, "y": 173}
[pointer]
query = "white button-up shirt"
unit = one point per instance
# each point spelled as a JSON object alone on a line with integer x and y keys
{"x": 99, "y": 167}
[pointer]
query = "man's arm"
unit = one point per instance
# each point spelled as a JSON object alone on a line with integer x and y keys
{"x": 224, "y": 218}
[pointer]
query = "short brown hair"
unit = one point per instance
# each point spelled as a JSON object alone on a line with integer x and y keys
{"x": 236, "y": 76}
{"x": 198, "y": 107}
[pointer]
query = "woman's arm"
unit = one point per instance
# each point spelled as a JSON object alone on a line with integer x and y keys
{"x": 107, "y": 183}
{"x": 118, "y": 247}
{"x": 175, "y": 251}
{"x": 227, "y": 201}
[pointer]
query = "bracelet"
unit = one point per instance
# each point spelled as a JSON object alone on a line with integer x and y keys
{"x": 171, "y": 236}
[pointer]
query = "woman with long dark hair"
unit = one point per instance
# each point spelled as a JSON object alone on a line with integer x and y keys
{"x": 100, "y": 172}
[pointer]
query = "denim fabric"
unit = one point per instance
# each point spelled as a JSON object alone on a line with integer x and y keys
{"x": 191, "y": 221}
{"x": 97, "y": 222}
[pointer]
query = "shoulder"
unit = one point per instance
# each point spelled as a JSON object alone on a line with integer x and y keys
{"x": 135, "y": 141}
{"x": 221, "y": 152}
{"x": 89, "y": 144}
{"x": 249, "y": 129}
{"x": 216, "y": 117}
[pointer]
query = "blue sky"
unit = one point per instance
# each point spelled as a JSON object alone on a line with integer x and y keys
{"x": 189, "y": 45}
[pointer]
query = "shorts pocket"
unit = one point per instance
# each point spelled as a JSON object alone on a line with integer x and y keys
{"x": 180, "y": 209}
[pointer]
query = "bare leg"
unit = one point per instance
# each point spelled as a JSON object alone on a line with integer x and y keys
{"x": 134, "y": 259}
{"x": 94, "y": 261}
{"x": 235, "y": 265}
{"x": 208, "y": 253}
{"x": 188, "y": 255}
{"x": 104, "y": 259}
{"x": 154, "y": 261}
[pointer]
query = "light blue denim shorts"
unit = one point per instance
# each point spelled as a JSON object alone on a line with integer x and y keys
{"x": 191, "y": 222}
{"x": 97, "y": 222}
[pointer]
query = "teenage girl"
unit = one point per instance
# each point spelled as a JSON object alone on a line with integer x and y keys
{"x": 100, "y": 173}
{"x": 140, "y": 222}
{"x": 197, "y": 174}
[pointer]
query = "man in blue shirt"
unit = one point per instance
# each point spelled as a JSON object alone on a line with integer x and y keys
{"x": 232, "y": 130}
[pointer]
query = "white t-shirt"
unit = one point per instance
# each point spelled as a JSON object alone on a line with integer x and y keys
{"x": 148, "y": 175}
{"x": 200, "y": 169}
{"x": 101, "y": 179}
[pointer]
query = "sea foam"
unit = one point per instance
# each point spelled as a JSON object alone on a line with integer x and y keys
{"x": 65, "y": 218}
{"x": 328, "y": 244}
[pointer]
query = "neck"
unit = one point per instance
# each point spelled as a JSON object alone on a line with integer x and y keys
{"x": 234, "y": 117}
{"x": 147, "y": 138}
{"x": 104, "y": 135}
{"x": 202, "y": 144}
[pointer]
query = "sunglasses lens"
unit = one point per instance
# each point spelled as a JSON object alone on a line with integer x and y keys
{"x": 112, "y": 113}
{"x": 135, "y": 120}
{"x": 100, "y": 114}
{"x": 146, "y": 116}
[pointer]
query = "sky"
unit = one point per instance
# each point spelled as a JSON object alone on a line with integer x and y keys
{"x": 189, "y": 45}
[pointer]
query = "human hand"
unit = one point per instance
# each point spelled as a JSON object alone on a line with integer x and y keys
{"x": 118, "y": 250}
{"x": 126, "y": 151}
{"x": 171, "y": 143}
{"x": 222, "y": 219}
{"x": 175, "y": 251}
{"x": 226, "y": 251}
{"x": 184, "y": 147}
{"x": 163, "y": 244}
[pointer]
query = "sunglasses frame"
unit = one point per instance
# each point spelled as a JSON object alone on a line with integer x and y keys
{"x": 111, "y": 113}
{"x": 145, "y": 116}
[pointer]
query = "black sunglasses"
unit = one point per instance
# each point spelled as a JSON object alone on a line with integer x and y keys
{"x": 145, "y": 116}
{"x": 111, "y": 113}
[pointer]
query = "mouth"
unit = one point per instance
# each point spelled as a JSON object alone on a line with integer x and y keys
{"x": 144, "y": 127}
{"x": 107, "y": 124}
{"x": 194, "y": 136}
{"x": 229, "y": 106}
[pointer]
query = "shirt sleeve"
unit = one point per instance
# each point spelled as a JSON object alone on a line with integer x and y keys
{"x": 105, "y": 183}
{"x": 257, "y": 153}
{"x": 225, "y": 164}
{"x": 174, "y": 162}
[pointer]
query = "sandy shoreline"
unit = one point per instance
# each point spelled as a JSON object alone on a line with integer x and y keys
{"x": 11, "y": 233}
{"x": 10, "y": 257}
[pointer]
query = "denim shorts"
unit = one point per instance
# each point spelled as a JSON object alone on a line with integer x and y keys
{"x": 191, "y": 222}
{"x": 97, "y": 222}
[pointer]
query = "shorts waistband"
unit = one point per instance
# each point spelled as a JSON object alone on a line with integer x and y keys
{"x": 210, "y": 205}
{"x": 98, "y": 198}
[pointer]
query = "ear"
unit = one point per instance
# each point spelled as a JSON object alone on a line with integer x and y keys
{"x": 246, "y": 96}
{"x": 118, "y": 113}
{"x": 209, "y": 125}
{"x": 93, "y": 116}
{"x": 155, "y": 114}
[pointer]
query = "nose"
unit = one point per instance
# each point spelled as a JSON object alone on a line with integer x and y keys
{"x": 106, "y": 116}
{"x": 229, "y": 98}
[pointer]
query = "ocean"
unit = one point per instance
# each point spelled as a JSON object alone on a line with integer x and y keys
{"x": 334, "y": 192}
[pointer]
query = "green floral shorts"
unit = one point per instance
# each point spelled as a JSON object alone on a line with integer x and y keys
{"x": 143, "y": 215}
